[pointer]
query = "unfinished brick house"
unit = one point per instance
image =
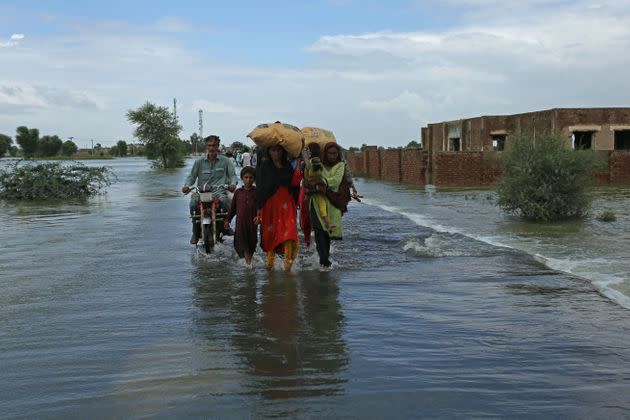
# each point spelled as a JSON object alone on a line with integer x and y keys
{"x": 466, "y": 152}
{"x": 590, "y": 128}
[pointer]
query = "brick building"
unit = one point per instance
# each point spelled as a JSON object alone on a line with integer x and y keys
{"x": 467, "y": 152}
{"x": 591, "y": 128}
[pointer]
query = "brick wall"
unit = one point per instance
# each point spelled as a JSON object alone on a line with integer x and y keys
{"x": 372, "y": 162}
{"x": 457, "y": 169}
{"x": 356, "y": 161}
{"x": 391, "y": 165}
{"x": 413, "y": 166}
{"x": 619, "y": 167}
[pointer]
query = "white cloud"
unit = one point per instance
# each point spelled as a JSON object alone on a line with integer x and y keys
{"x": 406, "y": 102}
{"x": 213, "y": 107}
{"x": 13, "y": 41}
{"x": 27, "y": 98}
{"x": 173, "y": 24}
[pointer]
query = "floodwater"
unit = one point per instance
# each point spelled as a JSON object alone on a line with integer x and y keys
{"x": 438, "y": 305}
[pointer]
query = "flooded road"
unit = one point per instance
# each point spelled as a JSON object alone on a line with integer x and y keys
{"x": 107, "y": 311}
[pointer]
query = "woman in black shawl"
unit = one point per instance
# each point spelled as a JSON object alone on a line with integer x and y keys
{"x": 277, "y": 186}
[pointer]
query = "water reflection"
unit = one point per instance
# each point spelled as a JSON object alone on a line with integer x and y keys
{"x": 287, "y": 330}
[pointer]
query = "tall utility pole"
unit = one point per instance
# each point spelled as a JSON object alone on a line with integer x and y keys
{"x": 92, "y": 146}
{"x": 175, "y": 109}
{"x": 200, "y": 128}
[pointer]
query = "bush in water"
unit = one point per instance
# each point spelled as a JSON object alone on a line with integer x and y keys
{"x": 545, "y": 180}
{"x": 53, "y": 181}
{"x": 607, "y": 216}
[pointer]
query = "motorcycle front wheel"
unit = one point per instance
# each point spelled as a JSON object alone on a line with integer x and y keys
{"x": 208, "y": 238}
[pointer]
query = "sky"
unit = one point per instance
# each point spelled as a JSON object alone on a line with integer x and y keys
{"x": 373, "y": 72}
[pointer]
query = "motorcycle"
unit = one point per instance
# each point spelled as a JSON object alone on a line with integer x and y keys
{"x": 211, "y": 215}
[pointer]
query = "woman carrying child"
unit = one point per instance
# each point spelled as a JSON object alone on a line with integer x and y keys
{"x": 315, "y": 183}
{"x": 244, "y": 208}
{"x": 337, "y": 197}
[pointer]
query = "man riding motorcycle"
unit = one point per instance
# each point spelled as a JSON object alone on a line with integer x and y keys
{"x": 214, "y": 173}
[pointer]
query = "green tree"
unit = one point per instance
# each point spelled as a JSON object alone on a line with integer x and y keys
{"x": 413, "y": 143}
{"x": 544, "y": 179}
{"x": 49, "y": 146}
{"x": 121, "y": 148}
{"x": 68, "y": 148}
{"x": 158, "y": 130}
{"x": 28, "y": 140}
{"x": 5, "y": 144}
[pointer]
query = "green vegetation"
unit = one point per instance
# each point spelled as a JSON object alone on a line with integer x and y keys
{"x": 49, "y": 146}
{"x": 158, "y": 130}
{"x": 27, "y": 138}
{"x": 545, "y": 180}
{"x": 68, "y": 148}
{"x": 120, "y": 149}
{"x": 195, "y": 144}
{"x": 5, "y": 144}
{"x": 413, "y": 143}
{"x": 607, "y": 216}
{"x": 55, "y": 180}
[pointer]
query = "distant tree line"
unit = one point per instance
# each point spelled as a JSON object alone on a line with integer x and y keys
{"x": 32, "y": 145}
{"x": 29, "y": 144}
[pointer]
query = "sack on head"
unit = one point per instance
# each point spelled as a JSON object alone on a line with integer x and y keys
{"x": 287, "y": 136}
{"x": 318, "y": 135}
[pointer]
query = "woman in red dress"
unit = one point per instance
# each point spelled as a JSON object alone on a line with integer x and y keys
{"x": 277, "y": 186}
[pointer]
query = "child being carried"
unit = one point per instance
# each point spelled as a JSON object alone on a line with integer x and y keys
{"x": 316, "y": 182}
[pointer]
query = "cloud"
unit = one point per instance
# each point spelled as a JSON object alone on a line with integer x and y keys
{"x": 26, "y": 97}
{"x": 13, "y": 41}
{"x": 407, "y": 102}
{"x": 173, "y": 24}
{"x": 213, "y": 107}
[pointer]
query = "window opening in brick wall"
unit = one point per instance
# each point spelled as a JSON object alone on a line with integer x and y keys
{"x": 622, "y": 139}
{"x": 454, "y": 144}
{"x": 498, "y": 142}
{"x": 583, "y": 139}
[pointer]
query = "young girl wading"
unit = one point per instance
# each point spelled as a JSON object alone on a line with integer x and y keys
{"x": 244, "y": 208}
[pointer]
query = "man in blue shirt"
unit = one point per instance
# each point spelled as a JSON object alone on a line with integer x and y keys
{"x": 214, "y": 173}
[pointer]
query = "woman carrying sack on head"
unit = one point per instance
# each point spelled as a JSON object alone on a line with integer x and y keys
{"x": 277, "y": 187}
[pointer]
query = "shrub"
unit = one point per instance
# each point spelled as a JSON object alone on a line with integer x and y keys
{"x": 544, "y": 179}
{"x": 52, "y": 181}
{"x": 607, "y": 216}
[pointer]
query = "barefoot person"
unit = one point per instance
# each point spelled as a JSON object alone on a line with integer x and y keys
{"x": 315, "y": 181}
{"x": 337, "y": 198}
{"x": 277, "y": 186}
{"x": 244, "y": 208}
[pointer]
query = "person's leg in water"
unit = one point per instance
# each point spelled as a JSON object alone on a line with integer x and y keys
{"x": 196, "y": 223}
{"x": 290, "y": 252}
{"x": 271, "y": 259}
{"x": 322, "y": 240}
{"x": 248, "y": 258}
{"x": 226, "y": 202}
{"x": 320, "y": 200}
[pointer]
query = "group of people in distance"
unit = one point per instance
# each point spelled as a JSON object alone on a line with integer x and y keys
{"x": 319, "y": 184}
